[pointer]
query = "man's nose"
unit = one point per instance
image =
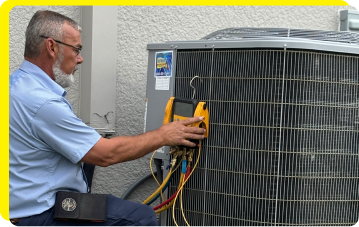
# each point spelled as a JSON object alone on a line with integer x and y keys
{"x": 79, "y": 59}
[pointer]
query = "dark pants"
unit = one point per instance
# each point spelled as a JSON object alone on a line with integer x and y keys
{"x": 119, "y": 212}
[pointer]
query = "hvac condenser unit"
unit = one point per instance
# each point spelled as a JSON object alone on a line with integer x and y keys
{"x": 284, "y": 125}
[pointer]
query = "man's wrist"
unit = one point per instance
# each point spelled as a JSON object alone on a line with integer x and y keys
{"x": 160, "y": 134}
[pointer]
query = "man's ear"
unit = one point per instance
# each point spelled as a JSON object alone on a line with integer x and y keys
{"x": 51, "y": 47}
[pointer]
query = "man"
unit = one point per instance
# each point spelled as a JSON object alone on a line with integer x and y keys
{"x": 47, "y": 142}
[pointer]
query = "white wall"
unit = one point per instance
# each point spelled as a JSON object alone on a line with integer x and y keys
{"x": 140, "y": 25}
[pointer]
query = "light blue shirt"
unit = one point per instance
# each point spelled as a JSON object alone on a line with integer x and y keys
{"x": 46, "y": 142}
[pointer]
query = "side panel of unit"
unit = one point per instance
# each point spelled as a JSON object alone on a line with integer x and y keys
{"x": 157, "y": 99}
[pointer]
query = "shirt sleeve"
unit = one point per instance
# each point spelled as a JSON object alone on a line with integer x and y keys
{"x": 57, "y": 126}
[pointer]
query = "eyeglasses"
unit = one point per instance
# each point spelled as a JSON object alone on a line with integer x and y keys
{"x": 76, "y": 49}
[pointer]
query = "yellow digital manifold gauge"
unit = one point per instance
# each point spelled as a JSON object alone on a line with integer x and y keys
{"x": 180, "y": 109}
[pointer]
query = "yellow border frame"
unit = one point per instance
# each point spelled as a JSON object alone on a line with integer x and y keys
{"x": 4, "y": 57}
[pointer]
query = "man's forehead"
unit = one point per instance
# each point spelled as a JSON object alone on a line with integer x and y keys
{"x": 71, "y": 32}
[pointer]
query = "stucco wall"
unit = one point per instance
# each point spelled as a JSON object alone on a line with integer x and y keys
{"x": 140, "y": 25}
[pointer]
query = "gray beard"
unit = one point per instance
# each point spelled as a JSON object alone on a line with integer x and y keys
{"x": 61, "y": 78}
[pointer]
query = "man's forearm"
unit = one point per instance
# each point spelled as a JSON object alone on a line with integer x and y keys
{"x": 132, "y": 147}
{"x": 125, "y": 148}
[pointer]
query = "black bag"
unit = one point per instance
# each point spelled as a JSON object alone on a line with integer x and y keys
{"x": 80, "y": 206}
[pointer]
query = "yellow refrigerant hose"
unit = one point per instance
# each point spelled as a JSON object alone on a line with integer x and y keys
{"x": 162, "y": 185}
{"x": 180, "y": 189}
{"x": 170, "y": 204}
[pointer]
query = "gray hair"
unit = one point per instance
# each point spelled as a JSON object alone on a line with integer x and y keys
{"x": 46, "y": 23}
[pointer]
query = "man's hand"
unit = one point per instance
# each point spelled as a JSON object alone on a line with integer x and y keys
{"x": 179, "y": 132}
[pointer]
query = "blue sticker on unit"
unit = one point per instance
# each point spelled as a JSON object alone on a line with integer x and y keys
{"x": 163, "y": 64}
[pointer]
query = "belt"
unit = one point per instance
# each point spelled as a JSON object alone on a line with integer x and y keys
{"x": 14, "y": 220}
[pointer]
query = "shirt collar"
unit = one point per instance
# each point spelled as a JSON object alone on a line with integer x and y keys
{"x": 42, "y": 77}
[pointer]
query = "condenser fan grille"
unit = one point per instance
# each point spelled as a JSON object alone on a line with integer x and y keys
{"x": 239, "y": 33}
{"x": 283, "y": 142}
